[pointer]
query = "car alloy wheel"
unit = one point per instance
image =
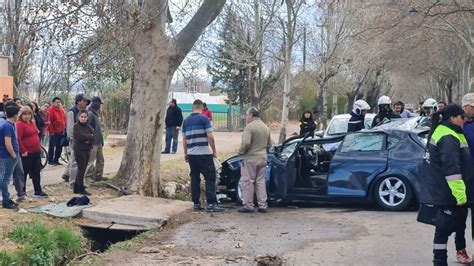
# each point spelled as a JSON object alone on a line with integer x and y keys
{"x": 392, "y": 191}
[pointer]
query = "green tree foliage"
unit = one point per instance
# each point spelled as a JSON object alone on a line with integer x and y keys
{"x": 229, "y": 72}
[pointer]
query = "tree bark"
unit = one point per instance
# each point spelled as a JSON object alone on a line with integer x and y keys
{"x": 157, "y": 58}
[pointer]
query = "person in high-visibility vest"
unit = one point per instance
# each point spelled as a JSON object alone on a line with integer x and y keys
{"x": 446, "y": 181}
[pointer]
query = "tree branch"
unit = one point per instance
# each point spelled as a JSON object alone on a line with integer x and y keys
{"x": 205, "y": 15}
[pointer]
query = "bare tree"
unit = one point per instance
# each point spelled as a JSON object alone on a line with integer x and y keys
{"x": 289, "y": 23}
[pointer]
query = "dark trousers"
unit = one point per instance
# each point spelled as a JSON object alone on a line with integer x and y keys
{"x": 460, "y": 239}
{"x": 82, "y": 158}
{"x": 55, "y": 148}
{"x": 448, "y": 221}
{"x": 171, "y": 134}
{"x": 32, "y": 166}
{"x": 202, "y": 164}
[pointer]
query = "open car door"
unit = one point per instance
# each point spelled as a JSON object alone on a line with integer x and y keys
{"x": 282, "y": 167}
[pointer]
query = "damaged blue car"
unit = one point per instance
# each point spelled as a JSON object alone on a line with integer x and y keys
{"x": 380, "y": 165}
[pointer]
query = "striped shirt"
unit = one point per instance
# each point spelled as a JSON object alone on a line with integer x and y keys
{"x": 195, "y": 129}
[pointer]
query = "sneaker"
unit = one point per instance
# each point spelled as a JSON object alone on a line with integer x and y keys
{"x": 197, "y": 207}
{"x": 262, "y": 210}
{"x": 65, "y": 178}
{"x": 214, "y": 208}
{"x": 462, "y": 257}
{"x": 245, "y": 210}
{"x": 23, "y": 199}
{"x": 173, "y": 152}
{"x": 40, "y": 195}
{"x": 58, "y": 163}
{"x": 10, "y": 205}
{"x": 165, "y": 152}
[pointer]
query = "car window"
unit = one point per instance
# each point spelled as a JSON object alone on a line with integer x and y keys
{"x": 288, "y": 150}
{"x": 363, "y": 142}
{"x": 338, "y": 126}
{"x": 392, "y": 142}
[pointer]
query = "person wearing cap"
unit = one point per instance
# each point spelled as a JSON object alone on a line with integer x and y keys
{"x": 57, "y": 124}
{"x": 95, "y": 167}
{"x": 446, "y": 181}
{"x": 80, "y": 103}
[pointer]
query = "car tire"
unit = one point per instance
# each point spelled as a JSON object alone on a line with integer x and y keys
{"x": 393, "y": 193}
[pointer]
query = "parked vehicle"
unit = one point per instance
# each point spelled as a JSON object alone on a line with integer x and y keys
{"x": 338, "y": 125}
{"x": 380, "y": 165}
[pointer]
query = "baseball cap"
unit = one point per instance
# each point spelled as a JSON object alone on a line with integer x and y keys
{"x": 97, "y": 99}
{"x": 468, "y": 99}
{"x": 452, "y": 110}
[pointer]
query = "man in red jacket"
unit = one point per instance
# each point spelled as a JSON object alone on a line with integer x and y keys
{"x": 57, "y": 124}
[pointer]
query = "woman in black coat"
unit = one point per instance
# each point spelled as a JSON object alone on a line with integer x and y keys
{"x": 83, "y": 138}
{"x": 307, "y": 123}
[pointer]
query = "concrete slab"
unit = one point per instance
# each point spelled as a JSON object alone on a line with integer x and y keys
{"x": 112, "y": 226}
{"x": 135, "y": 210}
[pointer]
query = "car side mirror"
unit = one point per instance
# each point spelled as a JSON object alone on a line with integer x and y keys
{"x": 319, "y": 133}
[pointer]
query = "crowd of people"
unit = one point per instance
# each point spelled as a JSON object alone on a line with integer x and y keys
{"x": 24, "y": 129}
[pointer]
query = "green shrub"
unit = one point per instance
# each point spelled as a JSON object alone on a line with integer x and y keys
{"x": 42, "y": 246}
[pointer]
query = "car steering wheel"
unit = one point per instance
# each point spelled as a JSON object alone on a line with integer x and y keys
{"x": 312, "y": 156}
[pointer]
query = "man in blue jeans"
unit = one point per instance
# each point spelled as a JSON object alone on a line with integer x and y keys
{"x": 173, "y": 122}
{"x": 197, "y": 136}
{"x": 9, "y": 152}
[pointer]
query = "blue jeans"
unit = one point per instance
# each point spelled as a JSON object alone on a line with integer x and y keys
{"x": 171, "y": 133}
{"x": 6, "y": 170}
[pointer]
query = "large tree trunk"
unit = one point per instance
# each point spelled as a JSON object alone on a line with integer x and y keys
{"x": 153, "y": 74}
{"x": 157, "y": 58}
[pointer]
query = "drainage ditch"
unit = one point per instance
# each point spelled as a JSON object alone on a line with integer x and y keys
{"x": 102, "y": 238}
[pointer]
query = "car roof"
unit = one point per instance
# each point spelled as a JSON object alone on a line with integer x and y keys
{"x": 406, "y": 125}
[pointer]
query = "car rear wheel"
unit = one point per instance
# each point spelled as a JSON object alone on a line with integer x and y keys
{"x": 393, "y": 193}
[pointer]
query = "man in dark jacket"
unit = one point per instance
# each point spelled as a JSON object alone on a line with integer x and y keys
{"x": 173, "y": 122}
{"x": 359, "y": 110}
{"x": 95, "y": 167}
{"x": 447, "y": 180}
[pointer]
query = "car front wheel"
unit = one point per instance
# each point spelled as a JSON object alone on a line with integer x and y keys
{"x": 393, "y": 193}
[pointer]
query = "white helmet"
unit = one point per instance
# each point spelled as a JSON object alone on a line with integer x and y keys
{"x": 359, "y": 106}
{"x": 384, "y": 100}
{"x": 430, "y": 103}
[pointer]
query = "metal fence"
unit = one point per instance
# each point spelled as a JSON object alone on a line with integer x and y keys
{"x": 230, "y": 120}
{"x": 223, "y": 117}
